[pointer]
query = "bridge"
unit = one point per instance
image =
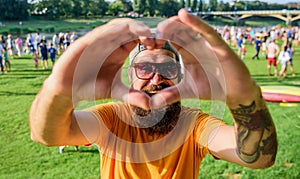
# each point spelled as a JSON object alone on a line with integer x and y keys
{"x": 289, "y": 16}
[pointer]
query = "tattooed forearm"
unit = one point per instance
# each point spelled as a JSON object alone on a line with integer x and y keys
{"x": 255, "y": 132}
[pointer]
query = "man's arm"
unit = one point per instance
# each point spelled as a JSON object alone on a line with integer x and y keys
{"x": 88, "y": 70}
{"x": 252, "y": 141}
{"x": 215, "y": 72}
{"x": 53, "y": 121}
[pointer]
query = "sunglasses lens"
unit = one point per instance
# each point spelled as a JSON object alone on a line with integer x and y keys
{"x": 146, "y": 71}
{"x": 169, "y": 70}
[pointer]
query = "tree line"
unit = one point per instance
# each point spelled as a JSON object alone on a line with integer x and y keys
{"x": 53, "y": 9}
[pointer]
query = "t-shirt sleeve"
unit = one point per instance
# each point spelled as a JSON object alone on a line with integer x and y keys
{"x": 104, "y": 113}
{"x": 204, "y": 127}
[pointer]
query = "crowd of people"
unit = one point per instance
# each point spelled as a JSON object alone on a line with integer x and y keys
{"x": 274, "y": 44}
{"x": 37, "y": 45}
{"x": 265, "y": 41}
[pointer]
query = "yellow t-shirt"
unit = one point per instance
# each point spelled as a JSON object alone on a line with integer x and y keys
{"x": 129, "y": 152}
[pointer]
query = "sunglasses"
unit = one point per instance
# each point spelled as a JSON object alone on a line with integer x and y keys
{"x": 147, "y": 70}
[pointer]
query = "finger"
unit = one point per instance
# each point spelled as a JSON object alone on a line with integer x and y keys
{"x": 137, "y": 98}
{"x": 201, "y": 27}
{"x": 93, "y": 61}
{"x": 180, "y": 34}
{"x": 218, "y": 45}
{"x": 149, "y": 43}
{"x": 171, "y": 95}
{"x": 108, "y": 36}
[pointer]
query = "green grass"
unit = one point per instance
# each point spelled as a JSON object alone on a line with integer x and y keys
{"x": 22, "y": 158}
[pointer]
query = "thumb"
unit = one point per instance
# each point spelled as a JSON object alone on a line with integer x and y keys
{"x": 173, "y": 94}
{"x": 131, "y": 96}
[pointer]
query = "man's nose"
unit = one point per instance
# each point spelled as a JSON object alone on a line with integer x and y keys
{"x": 156, "y": 79}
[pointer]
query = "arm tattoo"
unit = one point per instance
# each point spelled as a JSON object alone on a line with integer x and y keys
{"x": 255, "y": 132}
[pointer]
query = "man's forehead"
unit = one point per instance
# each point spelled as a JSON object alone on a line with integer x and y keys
{"x": 155, "y": 56}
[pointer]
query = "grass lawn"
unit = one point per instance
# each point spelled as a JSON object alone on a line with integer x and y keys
{"x": 22, "y": 158}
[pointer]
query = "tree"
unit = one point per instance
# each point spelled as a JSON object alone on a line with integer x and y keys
{"x": 116, "y": 8}
{"x": 188, "y": 4}
{"x": 213, "y": 4}
{"x": 139, "y": 6}
{"x": 14, "y": 9}
{"x": 169, "y": 8}
{"x": 151, "y": 6}
{"x": 76, "y": 8}
{"x": 86, "y": 10}
{"x": 200, "y": 6}
{"x": 182, "y": 4}
{"x": 194, "y": 5}
{"x": 97, "y": 7}
{"x": 127, "y": 5}
{"x": 223, "y": 6}
{"x": 65, "y": 8}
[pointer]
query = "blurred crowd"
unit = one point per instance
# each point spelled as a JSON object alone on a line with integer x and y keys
{"x": 37, "y": 45}
{"x": 42, "y": 46}
{"x": 275, "y": 44}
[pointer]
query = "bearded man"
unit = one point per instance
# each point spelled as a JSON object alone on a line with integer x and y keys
{"x": 150, "y": 134}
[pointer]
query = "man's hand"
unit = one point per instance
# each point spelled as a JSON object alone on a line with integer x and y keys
{"x": 90, "y": 68}
{"x": 212, "y": 69}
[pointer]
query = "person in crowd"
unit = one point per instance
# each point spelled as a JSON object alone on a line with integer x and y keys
{"x": 257, "y": 46}
{"x": 184, "y": 58}
{"x": 10, "y": 45}
{"x": 29, "y": 44}
{"x": 67, "y": 40}
{"x": 37, "y": 41}
{"x": 283, "y": 59}
{"x": 35, "y": 59}
{"x": 52, "y": 52}
{"x": 73, "y": 37}
{"x": 19, "y": 45}
{"x": 1, "y": 58}
{"x": 5, "y": 57}
{"x": 240, "y": 41}
{"x": 291, "y": 51}
{"x": 61, "y": 40}
{"x": 272, "y": 53}
{"x": 244, "y": 50}
{"x": 264, "y": 47}
{"x": 44, "y": 39}
{"x": 55, "y": 41}
{"x": 43, "y": 51}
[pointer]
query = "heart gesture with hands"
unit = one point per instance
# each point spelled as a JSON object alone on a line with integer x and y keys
{"x": 211, "y": 69}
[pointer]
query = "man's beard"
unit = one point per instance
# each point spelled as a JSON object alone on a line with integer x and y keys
{"x": 157, "y": 121}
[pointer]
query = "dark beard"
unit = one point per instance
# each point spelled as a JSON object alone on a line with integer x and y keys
{"x": 158, "y": 121}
